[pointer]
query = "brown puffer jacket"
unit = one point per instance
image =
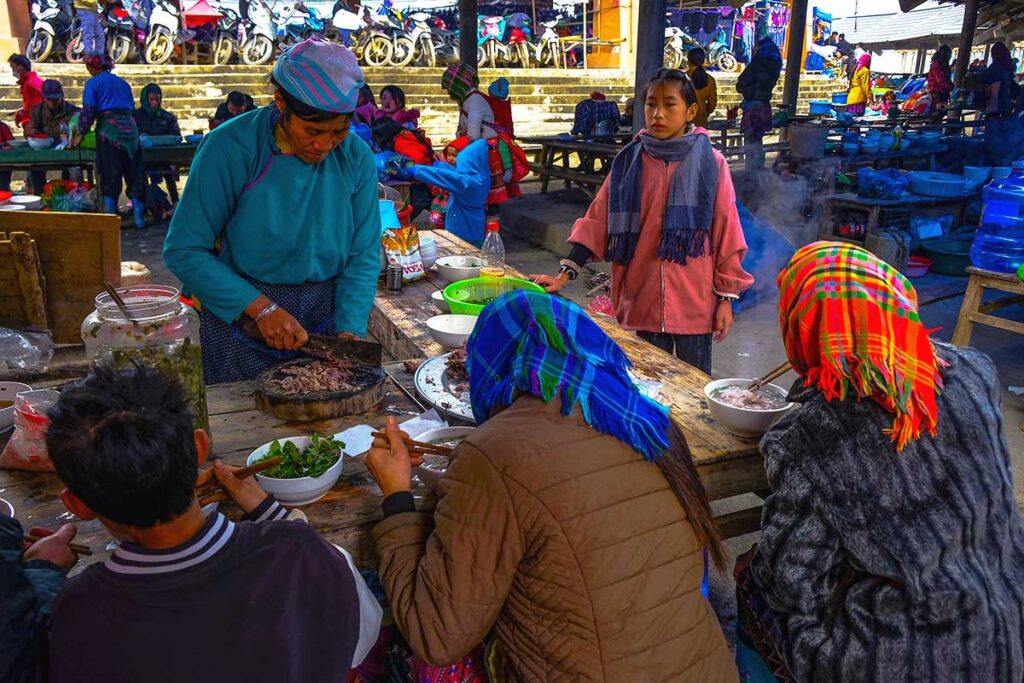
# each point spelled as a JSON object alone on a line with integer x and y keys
{"x": 569, "y": 544}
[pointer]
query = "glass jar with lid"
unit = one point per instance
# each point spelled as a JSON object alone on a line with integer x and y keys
{"x": 158, "y": 331}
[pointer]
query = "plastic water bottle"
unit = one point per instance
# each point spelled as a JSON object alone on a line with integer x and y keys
{"x": 999, "y": 242}
{"x": 493, "y": 251}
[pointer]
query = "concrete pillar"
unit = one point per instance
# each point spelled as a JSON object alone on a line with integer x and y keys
{"x": 650, "y": 51}
{"x": 15, "y": 27}
{"x": 963, "y": 56}
{"x": 467, "y": 32}
{"x": 795, "y": 53}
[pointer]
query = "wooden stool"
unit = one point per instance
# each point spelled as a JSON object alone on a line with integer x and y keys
{"x": 973, "y": 311}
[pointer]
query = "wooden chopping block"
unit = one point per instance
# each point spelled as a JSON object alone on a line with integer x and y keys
{"x": 370, "y": 388}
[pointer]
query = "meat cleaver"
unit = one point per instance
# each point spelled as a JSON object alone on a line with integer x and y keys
{"x": 357, "y": 351}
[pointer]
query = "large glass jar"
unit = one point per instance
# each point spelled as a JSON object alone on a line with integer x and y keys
{"x": 159, "y": 331}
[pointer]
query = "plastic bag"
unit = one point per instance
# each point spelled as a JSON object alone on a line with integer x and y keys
{"x": 392, "y": 166}
{"x": 27, "y": 448}
{"x": 888, "y": 183}
{"x": 930, "y": 227}
{"x": 402, "y": 247}
{"x": 25, "y": 349}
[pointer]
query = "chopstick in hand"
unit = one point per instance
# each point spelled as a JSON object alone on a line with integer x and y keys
{"x": 418, "y": 447}
{"x": 78, "y": 548}
{"x": 212, "y": 488}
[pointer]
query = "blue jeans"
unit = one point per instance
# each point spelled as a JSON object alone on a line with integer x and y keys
{"x": 94, "y": 40}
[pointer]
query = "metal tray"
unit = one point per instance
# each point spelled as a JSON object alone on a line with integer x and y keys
{"x": 433, "y": 385}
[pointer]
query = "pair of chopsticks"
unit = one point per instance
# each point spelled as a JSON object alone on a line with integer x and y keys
{"x": 773, "y": 375}
{"x": 212, "y": 487}
{"x": 32, "y": 537}
{"x": 418, "y": 447}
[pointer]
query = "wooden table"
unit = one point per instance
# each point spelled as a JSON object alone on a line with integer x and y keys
{"x": 728, "y": 465}
{"x": 25, "y": 158}
{"x": 344, "y": 516}
{"x": 557, "y": 162}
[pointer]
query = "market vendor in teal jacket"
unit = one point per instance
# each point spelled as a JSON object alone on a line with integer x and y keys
{"x": 279, "y": 223}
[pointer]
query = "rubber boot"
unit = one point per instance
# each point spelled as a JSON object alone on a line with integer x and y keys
{"x": 110, "y": 205}
{"x": 139, "y": 213}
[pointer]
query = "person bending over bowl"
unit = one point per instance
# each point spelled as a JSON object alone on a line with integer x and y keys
{"x": 188, "y": 597}
{"x": 891, "y": 547}
{"x": 571, "y": 523}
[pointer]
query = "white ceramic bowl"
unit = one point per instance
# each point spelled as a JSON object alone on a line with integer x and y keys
{"x": 40, "y": 143}
{"x": 742, "y": 421}
{"x": 456, "y": 268}
{"x": 301, "y": 491}
{"x": 451, "y": 331}
{"x": 430, "y": 477}
{"x": 12, "y": 207}
{"x": 30, "y": 202}
{"x": 8, "y": 390}
{"x": 439, "y": 301}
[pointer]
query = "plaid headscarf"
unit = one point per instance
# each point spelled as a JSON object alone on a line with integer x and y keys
{"x": 458, "y": 80}
{"x": 321, "y": 74}
{"x": 144, "y": 100}
{"x": 850, "y": 322}
{"x": 544, "y": 345}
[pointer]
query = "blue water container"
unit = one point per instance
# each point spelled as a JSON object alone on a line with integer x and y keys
{"x": 999, "y": 242}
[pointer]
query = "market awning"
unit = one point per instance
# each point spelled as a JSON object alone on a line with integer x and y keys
{"x": 201, "y": 13}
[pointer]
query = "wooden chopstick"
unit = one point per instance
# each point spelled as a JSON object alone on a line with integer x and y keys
{"x": 212, "y": 486}
{"x": 419, "y": 446}
{"x": 76, "y": 547}
{"x": 771, "y": 376}
{"x": 118, "y": 301}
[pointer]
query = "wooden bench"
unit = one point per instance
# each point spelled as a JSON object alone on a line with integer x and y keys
{"x": 972, "y": 311}
{"x": 588, "y": 182}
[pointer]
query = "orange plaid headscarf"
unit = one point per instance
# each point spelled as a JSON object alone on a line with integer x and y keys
{"x": 850, "y": 321}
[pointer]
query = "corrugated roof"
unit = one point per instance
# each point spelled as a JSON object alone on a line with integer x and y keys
{"x": 920, "y": 26}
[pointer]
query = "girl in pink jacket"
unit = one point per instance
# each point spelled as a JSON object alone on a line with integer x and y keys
{"x": 665, "y": 218}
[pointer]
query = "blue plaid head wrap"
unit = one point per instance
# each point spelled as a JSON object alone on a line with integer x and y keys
{"x": 324, "y": 75}
{"x": 545, "y": 345}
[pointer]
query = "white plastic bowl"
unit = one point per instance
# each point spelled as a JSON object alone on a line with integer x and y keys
{"x": 431, "y": 477}
{"x": 301, "y": 491}
{"x": 439, "y": 301}
{"x": 8, "y": 390}
{"x": 457, "y": 268}
{"x": 451, "y": 331}
{"x": 30, "y": 202}
{"x": 40, "y": 143}
{"x": 742, "y": 421}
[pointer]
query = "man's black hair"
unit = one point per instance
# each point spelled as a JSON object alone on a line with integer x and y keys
{"x": 20, "y": 60}
{"x": 239, "y": 99}
{"x": 123, "y": 443}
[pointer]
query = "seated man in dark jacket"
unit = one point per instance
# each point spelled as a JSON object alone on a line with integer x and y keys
{"x": 236, "y": 104}
{"x": 152, "y": 119}
{"x": 188, "y": 596}
{"x": 29, "y": 581}
{"x": 50, "y": 117}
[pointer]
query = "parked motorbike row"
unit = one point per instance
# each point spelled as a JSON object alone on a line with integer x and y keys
{"x": 149, "y": 30}
{"x": 678, "y": 43}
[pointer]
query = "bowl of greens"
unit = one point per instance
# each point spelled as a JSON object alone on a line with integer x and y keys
{"x": 310, "y": 466}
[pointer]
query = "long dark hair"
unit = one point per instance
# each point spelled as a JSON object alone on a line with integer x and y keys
{"x": 696, "y": 58}
{"x": 396, "y": 93}
{"x": 942, "y": 56}
{"x": 385, "y": 131}
{"x": 676, "y": 465}
{"x": 296, "y": 107}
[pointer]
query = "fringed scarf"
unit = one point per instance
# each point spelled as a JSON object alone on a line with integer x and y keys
{"x": 547, "y": 346}
{"x": 689, "y": 207}
{"x": 850, "y": 323}
{"x": 459, "y": 80}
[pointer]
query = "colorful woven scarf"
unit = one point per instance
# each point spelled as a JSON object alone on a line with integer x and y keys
{"x": 117, "y": 128}
{"x": 546, "y": 346}
{"x": 689, "y": 206}
{"x": 321, "y": 74}
{"x": 849, "y": 322}
{"x": 459, "y": 80}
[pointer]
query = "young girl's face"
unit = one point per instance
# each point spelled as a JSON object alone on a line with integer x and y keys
{"x": 666, "y": 110}
{"x": 450, "y": 153}
{"x": 388, "y": 104}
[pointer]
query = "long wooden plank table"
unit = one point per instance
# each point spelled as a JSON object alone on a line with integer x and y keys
{"x": 344, "y": 516}
{"x": 729, "y": 465}
{"x": 25, "y": 158}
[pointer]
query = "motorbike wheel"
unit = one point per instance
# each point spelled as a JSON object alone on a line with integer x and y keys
{"x": 378, "y": 51}
{"x": 223, "y": 51}
{"x": 727, "y": 62}
{"x": 481, "y": 57}
{"x": 39, "y": 46}
{"x": 75, "y": 51}
{"x": 673, "y": 58}
{"x": 428, "y": 52}
{"x": 259, "y": 50}
{"x": 159, "y": 49}
{"x": 402, "y": 52}
{"x": 120, "y": 49}
{"x": 523, "y": 55}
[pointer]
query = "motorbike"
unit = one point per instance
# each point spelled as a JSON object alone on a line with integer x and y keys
{"x": 491, "y": 51}
{"x": 549, "y": 47}
{"x": 51, "y": 30}
{"x": 256, "y": 31}
{"x": 126, "y": 36}
{"x": 391, "y": 22}
{"x": 520, "y": 47}
{"x": 421, "y": 37}
{"x": 719, "y": 54}
{"x": 296, "y": 22}
{"x": 345, "y": 20}
{"x": 164, "y": 32}
{"x": 225, "y": 44}
{"x": 677, "y": 44}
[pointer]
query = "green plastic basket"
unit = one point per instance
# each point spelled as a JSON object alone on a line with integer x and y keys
{"x": 468, "y": 297}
